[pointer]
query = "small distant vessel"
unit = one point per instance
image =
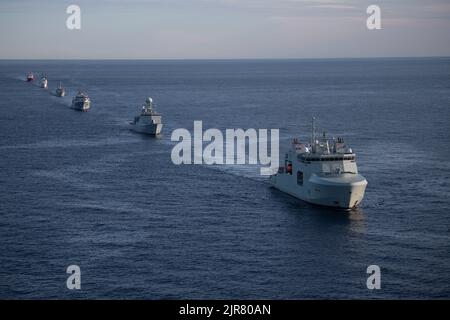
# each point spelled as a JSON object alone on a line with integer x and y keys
{"x": 44, "y": 82}
{"x": 81, "y": 102}
{"x": 30, "y": 77}
{"x": 148, "y": 121}
{"x": 60, "y": 91}
{"x": 322, "y": 172}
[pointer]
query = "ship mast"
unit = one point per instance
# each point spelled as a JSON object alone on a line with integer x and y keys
{"x": 313, "y": 132}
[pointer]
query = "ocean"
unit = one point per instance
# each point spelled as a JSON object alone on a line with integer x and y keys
{"x": 81, "y": 188}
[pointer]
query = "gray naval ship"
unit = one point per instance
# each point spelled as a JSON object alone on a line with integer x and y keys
{"x": 60, "y": 91}
{"x": 44, "y": 82}
{"x": 81, "y": 102}
{"x": 149, "y": 121}
{"x": 322, "y": 172}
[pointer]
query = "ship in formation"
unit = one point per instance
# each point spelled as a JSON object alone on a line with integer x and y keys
{"x": 30, "y": 77}
{"x": 44, "y": 82}
{"x": 149, "y": 121}
{"x": 60, "y": 91}
{"x": 322, "y": 171}
{"x": 81, "y": 102}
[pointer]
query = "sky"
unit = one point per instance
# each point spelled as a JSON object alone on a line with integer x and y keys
{"x": 223, "y": 29}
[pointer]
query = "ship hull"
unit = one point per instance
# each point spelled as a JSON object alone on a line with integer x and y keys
{"x": 153, "y": 129}
{"x": 344, "y": 192}
{"x": 81, "y": 106}
{"x": 30, "y": 79}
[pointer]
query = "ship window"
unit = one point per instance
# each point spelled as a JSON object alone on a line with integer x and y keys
{"x": 289, "y": 167}
{"x": 300, "y": 178}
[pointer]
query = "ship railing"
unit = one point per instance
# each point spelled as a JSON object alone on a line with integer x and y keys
{"x": 335, "y": 173}
{"x": 332, "y": 157}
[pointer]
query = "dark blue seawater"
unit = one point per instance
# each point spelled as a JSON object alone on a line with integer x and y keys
{"x": 81, "y": 188}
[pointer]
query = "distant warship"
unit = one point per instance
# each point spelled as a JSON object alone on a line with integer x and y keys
{"x": 44, "y": 82}
{"x": 148, "y": 121}
{"x": 81, "y": 102}
{"x": 60, "y": 91}
{"x": 30, "y": 77}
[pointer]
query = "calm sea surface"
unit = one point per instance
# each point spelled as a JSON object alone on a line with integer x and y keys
{"x": 81, "y": 188}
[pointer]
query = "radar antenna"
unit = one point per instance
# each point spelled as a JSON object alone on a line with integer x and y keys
{"x": 313, "y": 130}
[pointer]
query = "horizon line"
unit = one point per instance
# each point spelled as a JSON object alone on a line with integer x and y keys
{"x": 218, "y": 59}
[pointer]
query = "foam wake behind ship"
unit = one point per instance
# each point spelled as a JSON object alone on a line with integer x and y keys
{"x": 322, "y": 172}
